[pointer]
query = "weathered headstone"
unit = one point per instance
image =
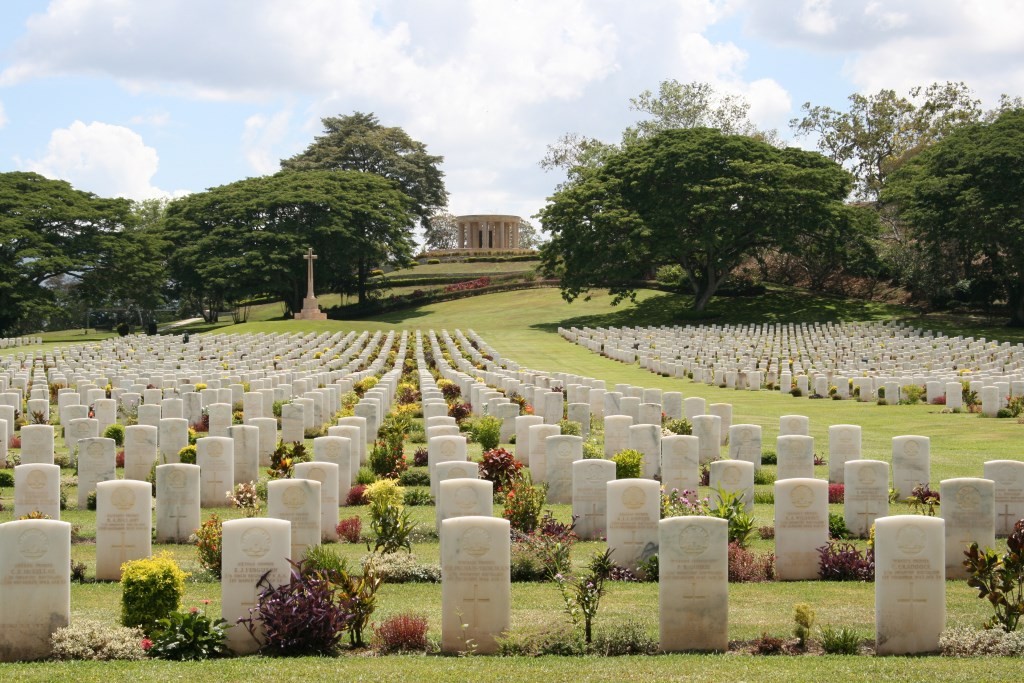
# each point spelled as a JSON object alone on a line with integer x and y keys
{"x": 37, "y": 444}
{"x": 172, "y": 437}
{"x": 693, "y": 584}
{"x": 338, "y": 450}
{"x": 911, "y": 463}
{"x": 795, "y": 457}
{"x": 35, "y": 586}
{"x": 140, "y": 451}
{"x": 616, "y": 434}
{"x": 910, "y": 584}
{"x": 680, "y": 463}
{"x": 590, "y": 496}
{"x": 443, "y": 449}
{"x": 801, "y": 527}
{"x": 1008, "y": 479}
{"x": 464, "y": 497}
{"x": 298, "y": 501}
{"x": 476, "y": 587}
{"x": 37, "y": 489}
{"x": 177, "y": 502}
{"x": 216, "y": 459}
{"x": 745, "y": 443}
{"x": 250, "y": 549}
{"x": 634, "y": 508}
{"x": 124, "y": 525}
{"x": 708, "y": 428}
{"x": 843, "y": 446}
{"x": 733, "y": 476}
{"x": 561, "y": 451}
{"x": 327, "y": 474}
{"x": 866, "y": 494}
{"x": 968, "y": 508}
{"x": 96, "y": 463}
{"x": 246, "y": 451}
{"x": 538, "y": 450}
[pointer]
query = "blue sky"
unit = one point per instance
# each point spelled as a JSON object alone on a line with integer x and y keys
{"x": 144, "y": 98}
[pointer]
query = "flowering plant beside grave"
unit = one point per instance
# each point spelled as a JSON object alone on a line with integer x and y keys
{"x": 245, "y": 498}
{"x": 189, "y": 635}
{"x": 523, "y": 504}
{"x": 208, "y": 539}
{"x": 582, "y": 594}
{"x": 1000, "y": 579}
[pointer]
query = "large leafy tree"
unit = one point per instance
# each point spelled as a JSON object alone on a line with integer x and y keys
{"x": 963, "y": 200}
{"x": 49, "y": 231}
{"x": 246, "y": 239}
{"x": 360, "y": 143}
{"x": 696, "y": 198}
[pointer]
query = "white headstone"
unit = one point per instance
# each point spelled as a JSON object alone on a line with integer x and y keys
{"x": 37, "y": 489}
{"x": 634, "y": 508}
{"x": 327, "y": 474}
{"x": 865, "y": 495}
{"x": 590, "y": 496}
{"x": 476, "y": 587}
{"x": 968, "y": 508}
{"x": 250, "y": 549}
{"x": 693, "y": 584}
{"x": 911, "y": 463}
{"x": 298, "y": 501}
{"x": 124, "y": 525}
{"x": 801, "y": 527}
{"x": 1008, "y": 479}
{"x": 177, "y": 502}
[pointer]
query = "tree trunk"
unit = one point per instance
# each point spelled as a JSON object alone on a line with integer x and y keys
{"x": 1016, "y": 306}
{"x": 361, "y": 280}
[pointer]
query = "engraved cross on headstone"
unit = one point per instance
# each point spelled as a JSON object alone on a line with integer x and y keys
{"x": 475, "y": 601}
{"x": 693, "y": 592}
{"x": 123, "y": 547}
{"x": 310, "y": 257}
{"x": 868, "y": 514}
{"x": 910, "y": 601}
{"x": 1006, "y": 520}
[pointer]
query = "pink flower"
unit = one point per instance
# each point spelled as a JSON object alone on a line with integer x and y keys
{"x": 146, "y": 644}
{"x": 193, "y": 610}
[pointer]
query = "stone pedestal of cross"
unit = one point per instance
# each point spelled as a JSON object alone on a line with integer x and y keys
{"x": 310, "y": 307}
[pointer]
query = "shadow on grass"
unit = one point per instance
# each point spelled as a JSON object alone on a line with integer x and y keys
{"x": 777, "y": 305}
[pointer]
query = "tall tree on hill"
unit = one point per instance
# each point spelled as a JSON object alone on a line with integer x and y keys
{"x": 246, "y": 239}
{"x": 441, "y": 232}
{"x": 49, "y": 231}
{"x": 360, "y": 143}
{"x": 963, "y": 200}
{"x": 696, "y": 198}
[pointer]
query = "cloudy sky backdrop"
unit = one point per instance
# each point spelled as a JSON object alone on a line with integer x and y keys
{"x": 148, "y": 98}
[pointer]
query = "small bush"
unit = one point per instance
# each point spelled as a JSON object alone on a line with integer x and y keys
{"x": 350, "y": 529}
{"x": 486, "y": 431}
{"x": 417, "y": 496}
{"x": 840, "y": 641}
{"x": 188, "y": 636}
{"x": 836, "y": 493}
{"x": 839, "y": 561}
{"x": 416, "y": 476}
{"x": 748, "y": 567}
{"x": 365, "y": 476}
{"x": 356, "y": 495}
{"x": 401, "y": 568}
{"x": 629, "y": 464}
{"x": 764, "y": 477}
{"x": 803, "y": 616}
{"x": 628, "y": 638}
{"x": 401, "y": 633}
{"x": 86, "y": 639}
{"x": 6, "y": 479}
{"x": 769, "y": 457}
{"x": 209, "y": 544}
{"x": 766, "y": 644}
{"x": 419, "y": 457}
{"x": 766, "y": 533}
{"x": 323, "y": 559}
{"x": 837, "y": 526}
{"x": 544, "y": 639}
{"x": 308, "y": 615}
{"x": 570, "y": 428}
{"x": 501, "y": 468}
{"x": 1000, "y": 578}
{"x": 115, "y": 432}
{"x": 681, "y": 426}
{"x": 523, "y": 505}
{"x": 151, "y": 588}
{"x": 966, "y": 641}
{"x": 187, "y": 455}
{"x": 460, "y": 410}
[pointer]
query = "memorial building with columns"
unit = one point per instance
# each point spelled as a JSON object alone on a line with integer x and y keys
{"x": 488, "y": 232}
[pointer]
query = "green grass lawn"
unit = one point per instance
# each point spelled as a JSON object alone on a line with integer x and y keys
{"x": 521, "y": 325}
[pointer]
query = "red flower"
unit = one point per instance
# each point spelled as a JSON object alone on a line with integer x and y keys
{"x": 146, "y": 644}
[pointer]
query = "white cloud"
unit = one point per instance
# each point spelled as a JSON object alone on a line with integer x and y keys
{"x": 108, "y": 160}
{"x": 815, "y": 17}
{"x": 156, "y": 119}
{"x": 260, "y": 137}
{"x": 3, "y": 116}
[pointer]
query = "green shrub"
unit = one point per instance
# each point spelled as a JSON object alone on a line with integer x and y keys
{"x": 322, "y": 558}
{"x": 433, "y": 261}
{"x": 769, "y": 457}
{"x": 187, "y": 455}
{"x": 151, "y": 588}
{"x": 209, "y": 538}
{"x": 629, "y": 464}
{"x": 966, "y": 641}
{"x": 840, "y": 641}
{"x": 669, "y": 276}
{"x": 415, "y": 476}
{"x": 365, "y": 476}
{"x": 188, "y": 636}
{"x": 764, "y": 477}
{"x": 570, "y": 427}
{"x": 86, "y": 639}
{"x": 401, "y": 568}
{"x": 115, "y": 432}
{"x": 486, "y": 431}
{"x": 628, "y": 638}
{"x": 681, "y": 426}
{"x": 545, "y": 639}
{"x": 417, "y": 496}
{"x": 523, "y": 504}
{"x": 803, "y": 615}
{"x": 1000, "y": 579}
{"x": 592, "y": 449}
{"x": 6, "y": 479}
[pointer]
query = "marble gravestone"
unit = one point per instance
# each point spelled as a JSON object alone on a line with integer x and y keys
{"x": 37, "y": 489}
{"x": 680, "y": 463}
{"x": 866, "y": 494}
{"x": 443, "y": 449}
{"x": 464, "y": 497}
{"x": 561, "y": 451}
{"x": 693, "y": 584}
{"x": 794, "y": 425}
{"x": 97, "y": 460}
{"x": 337, "y": 450}
{"x": 327, "y": 473}
{"x": 708, "y": 428}
{"x": 745, "y": 443}
{"x": 1007, "y": 477}
{"x": 246, "y": 453}
{"x": 476, "y": 587}
{"x": 911, "y": 464}
{"x": 177, "y": 502}
{"x": 523, "y": 424}
{"x": 140, "y": 449}
{"x": 968, "y": 508}
{"x": 735, "y": 476}
{"x": 590, "y": 496}
{"x": 296, "y": 501}
{"x": 910, "y": 584}
{"x": 843, "y": 446}
{"x": 633, "y": 511}
{"x": 801, "y": 527}
{"x": 216, "y": 460}
{"x": 795, "y": 457}
{"x": 35, "y": 587}
{"x": 646, "y": 438}
{"x": 124, "y": 525}
{"x": 538, "y": 450}
{"x": 250, "y": 549}
{"x": 616, "y": 434}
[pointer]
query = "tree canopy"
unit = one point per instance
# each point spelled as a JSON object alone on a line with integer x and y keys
{"x": 695, "y": 197}
{"x": 246, "y": 239}
{"x": 360, "y": 143}
{"x": 963, "y": 200}
{"x": 50, "y": 231}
